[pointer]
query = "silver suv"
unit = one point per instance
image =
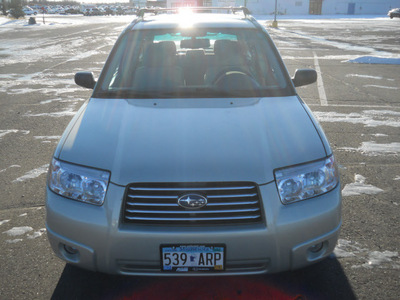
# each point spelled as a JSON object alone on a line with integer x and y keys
{"x": 193, "y": 156}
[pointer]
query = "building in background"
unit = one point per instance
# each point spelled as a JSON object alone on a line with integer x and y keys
{"x": 321, "y": 7}
{"x": 292, "y": 7}
{"x": 364, "y": 7}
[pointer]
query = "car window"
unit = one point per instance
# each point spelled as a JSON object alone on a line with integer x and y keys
{"x": 196, "y": 63}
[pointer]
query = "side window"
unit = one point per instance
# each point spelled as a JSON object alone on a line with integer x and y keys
{"x": 264, "y": 62}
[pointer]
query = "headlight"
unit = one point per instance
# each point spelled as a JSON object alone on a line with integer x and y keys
{"x": 306, "y": 181}
{"x": 78, "y": 183}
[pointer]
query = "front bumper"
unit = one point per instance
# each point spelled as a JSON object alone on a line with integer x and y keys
{"x": 282, "y": 242}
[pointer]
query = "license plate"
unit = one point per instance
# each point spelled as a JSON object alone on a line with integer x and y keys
{"x": 192, "y": 258}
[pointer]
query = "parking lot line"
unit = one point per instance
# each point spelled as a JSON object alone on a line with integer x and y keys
{"x": 320, "y": 83}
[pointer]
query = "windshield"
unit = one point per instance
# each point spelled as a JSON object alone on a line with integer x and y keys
{"x": 198, "y": 63}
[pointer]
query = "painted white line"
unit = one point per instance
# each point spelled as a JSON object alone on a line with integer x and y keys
{"x": 320, "y": 83}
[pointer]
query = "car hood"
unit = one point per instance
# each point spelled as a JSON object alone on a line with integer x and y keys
{"x": 191, "y": 140}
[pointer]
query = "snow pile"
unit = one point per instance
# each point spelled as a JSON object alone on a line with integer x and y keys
{"x": 33, "y": 173}
{"x": 4, "y": 221}
{"x": 374, "y": 149}
{"x": 375, "y": 60}
{"x": 362, "y": 257}
{"x": 359, "y": 187}
{"x": 368, "y": 118}
{"x": 15, "y": 231}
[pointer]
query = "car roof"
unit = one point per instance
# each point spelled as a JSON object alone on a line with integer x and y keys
{"x": 192, "y": 19}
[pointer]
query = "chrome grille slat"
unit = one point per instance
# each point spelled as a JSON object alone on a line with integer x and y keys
{"x": 193, "y": 219}
{"x": 209, "y": 196}
{"x": 176, "y": 205}
{"x": 232, "y": 196}
{"x": 153, "y": 204}
{"x": 151, "y": 197}
{"x": 227, "y": 203}
{"x": 190, "y": 189}
{"x": 189, "y": 212}
{"x": 233, "y": 203}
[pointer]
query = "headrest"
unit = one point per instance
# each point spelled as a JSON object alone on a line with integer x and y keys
{"x": 225, "y": 47}
{"x": 196, "y": 53}
{"x": 160, "y": 54}
{"x": 167, "y": 46}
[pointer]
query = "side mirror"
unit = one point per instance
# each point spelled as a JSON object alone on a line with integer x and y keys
{"x": 85, "y": 79}
{"x": 304, "y": 77}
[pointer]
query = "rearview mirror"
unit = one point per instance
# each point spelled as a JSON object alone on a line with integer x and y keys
{"x": 304, "y": 77}
{"x": 85, "y": 79}
{"x": 195, "y": 43}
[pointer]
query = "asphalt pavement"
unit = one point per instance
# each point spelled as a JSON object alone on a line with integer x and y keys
{"x": 358, "y": 105}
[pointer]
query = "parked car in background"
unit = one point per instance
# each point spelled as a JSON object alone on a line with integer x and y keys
{"x": 29, "y": 11}
{"x": 394, "y": 13}
{"x": 193, "y": 156}
{"x": 120, "y": 11}
{"x": 60, "y": 10}
{"x": 72, "y": 11}
{"x": 93, "y": 12}
{"x": 108, "y": 11}
{"x": 51, "y": 10}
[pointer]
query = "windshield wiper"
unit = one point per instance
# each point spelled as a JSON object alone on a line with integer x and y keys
{"x": 197, "y": 92}
{"x": 134, "y": 94}
{"x": 224, "y": 93}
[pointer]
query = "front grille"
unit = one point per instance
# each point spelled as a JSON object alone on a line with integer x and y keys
{"x": 227, "y": 203}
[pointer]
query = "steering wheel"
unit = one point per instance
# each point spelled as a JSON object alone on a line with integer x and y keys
{"x": 235, "y": 78}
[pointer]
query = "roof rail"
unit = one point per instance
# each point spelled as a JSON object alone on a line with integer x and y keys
{"x": 141, "y": 12}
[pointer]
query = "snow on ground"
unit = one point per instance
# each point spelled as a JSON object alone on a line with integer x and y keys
{"x": 360, "y": 187}
{"x": 368, "y": 118}
{"x": 365, "y": 76}
{"x": 8, "y": 131}
{"x": 13, "y": 166}
{"x": 340, "y": 22}
{"x": 15, "y": 231}
{"x": 381, "y": 87}
{"x": 22, "y": 231}
{"x": 320, "y": 19}
{"x": 334, "y": 24}
{"x": 33, "y": 173}
{"x": 365, "y": 258}
{"x": 374, "y": 149}
{"x": 375, "y": 60}
{"x": 36, "y": 234}
{"x": 60, "y": 20}
{"x": 4, "y": 221}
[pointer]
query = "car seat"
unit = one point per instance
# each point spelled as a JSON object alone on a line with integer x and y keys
{"x": 159, "y": 69}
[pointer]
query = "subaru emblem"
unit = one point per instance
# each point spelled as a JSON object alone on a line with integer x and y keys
{"x": 192, "y": 201}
